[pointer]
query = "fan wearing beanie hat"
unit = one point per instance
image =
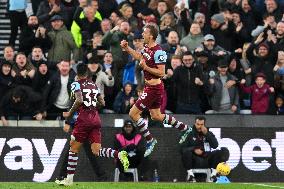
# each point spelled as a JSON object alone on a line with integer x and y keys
{"x": 219, "y": 18}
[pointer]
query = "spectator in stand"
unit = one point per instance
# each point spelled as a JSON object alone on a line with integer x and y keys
{"x": 103, "y": 78}
{"x": 107, "y": 67}
{"x": 21, "y": 103}
{"x": 162, "y": 8}
{"x": 137, "y": 6}
{"x": 120, "y": 58}
{"x": 172, "y": 45}
{"x": 222, "y": 29}
{"x": 170, "y": 85}
{"x": 167, "y": 24}
{"x": 69, "y": 8}
{"x": 202, "y": 60}
{"x": 188, "y": 79}
{"x": 196, "y": 150}
{"x": 235, "y": 67}
{"x": 153, "y": 4}
{"x": 75, "y": 29}
{"x": 18, "y": 18}
{"x": 279, "y": 74}
{"x": 62, "y": 42}
{"x": 88, "y": 25}
{"x": 250, "y": 15}
{"x": 194, "y": 37}
{"x": 272, "y": 7}
{"x": 241, "y": 34}
{"x": 97, "y": 49}
{"x": 132, "y": 142}
{"x": 6, "y": 80}
{"x": 9, "y": 54}
{"x": 200, "y": 19}
{"x": 213, "y": 51}
{"x": 33, "y": 35}
{"x": 277, "y": 42}
{"x": 183, "y": 19}
{"x": 144, "y": 17}
{"x": 37, "y": 57}
{"x": 107, "y": 7}
{"x": 279, "y": 105}
{"x": 23, "y": 71}
{"x": 263, "y": 61}
{"x": 127, "y": 13}
{"x": 58, "y": 90}
{"x": 268, "y": 24}
{"x": 223, "y": 93}
{"x": 124, "y": 100}
{"x": 49, "y": 8}
{"x": 114, "y": 18}
{"x": 41, "y": 77}
{"x": 260, "y": 92}
{"x": 106, "y": 26}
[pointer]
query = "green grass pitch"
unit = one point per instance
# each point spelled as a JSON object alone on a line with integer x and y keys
{"x": 141, "y": 185}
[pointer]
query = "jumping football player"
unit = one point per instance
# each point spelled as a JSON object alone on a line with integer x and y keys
{"x": 152, "y": 61}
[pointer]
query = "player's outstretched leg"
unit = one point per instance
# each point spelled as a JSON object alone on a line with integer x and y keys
{"x": 110, "y": 153}
{"x": 170, "y": 120}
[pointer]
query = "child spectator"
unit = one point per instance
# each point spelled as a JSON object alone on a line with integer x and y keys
{"x": 260, "y": 93}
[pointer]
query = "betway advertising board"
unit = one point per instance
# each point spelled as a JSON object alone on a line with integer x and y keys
{"x": 34, "y": 154}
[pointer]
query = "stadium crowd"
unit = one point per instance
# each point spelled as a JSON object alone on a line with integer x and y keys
{"x": 224, "y": 56}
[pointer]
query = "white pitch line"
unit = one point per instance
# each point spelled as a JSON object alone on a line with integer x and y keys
{"x": 264, "y": 185}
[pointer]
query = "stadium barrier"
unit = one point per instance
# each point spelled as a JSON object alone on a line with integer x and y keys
{"x": 256, "y": 152}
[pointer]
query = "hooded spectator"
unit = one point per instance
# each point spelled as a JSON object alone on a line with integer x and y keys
{"x": 6, "y": 80}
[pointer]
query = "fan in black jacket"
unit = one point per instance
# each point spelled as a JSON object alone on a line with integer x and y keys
{"x": 6, "y": 80}
{"x": 21, "y": 102}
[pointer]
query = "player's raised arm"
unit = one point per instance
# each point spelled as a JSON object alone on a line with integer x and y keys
{"x": 129, "y": 50}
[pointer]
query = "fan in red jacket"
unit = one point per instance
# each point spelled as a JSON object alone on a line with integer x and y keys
{"x": 260, "y": 92}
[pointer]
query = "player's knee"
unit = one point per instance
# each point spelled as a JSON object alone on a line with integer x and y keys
{"x": 156, "y": 117}
{"x": 96, "y": 151}
{"x": 133, "y": 115}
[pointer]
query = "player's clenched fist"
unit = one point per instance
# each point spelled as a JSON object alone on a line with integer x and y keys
{"x": 124, "y": 44}
{"x": 142, "y": 63}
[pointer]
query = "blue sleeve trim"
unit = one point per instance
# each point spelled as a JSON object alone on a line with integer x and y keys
{"x": 75, "y": 86}
{"x": 160, "y": 57}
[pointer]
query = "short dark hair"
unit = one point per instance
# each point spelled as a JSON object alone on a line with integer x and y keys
{"x": 82, "y": 70}
{"x": 20, "y": 53}
{"x": 200, "y": 118}
{"x": 153, "y": 30}
{"x": 37, "y": 47}
{"x": 186, "y": 53}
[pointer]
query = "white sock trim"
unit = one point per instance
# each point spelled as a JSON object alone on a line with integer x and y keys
{"x": 213, "y": 172}
{"x": 190, "y": 172}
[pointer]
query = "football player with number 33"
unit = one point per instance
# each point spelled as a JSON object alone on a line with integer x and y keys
{"x": 152, "y": 61}
{"x": 88, "y": 124}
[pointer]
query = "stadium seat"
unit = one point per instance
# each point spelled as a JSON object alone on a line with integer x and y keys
{"x": 131, "y": 170}
{"x": 203, "y": 171}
